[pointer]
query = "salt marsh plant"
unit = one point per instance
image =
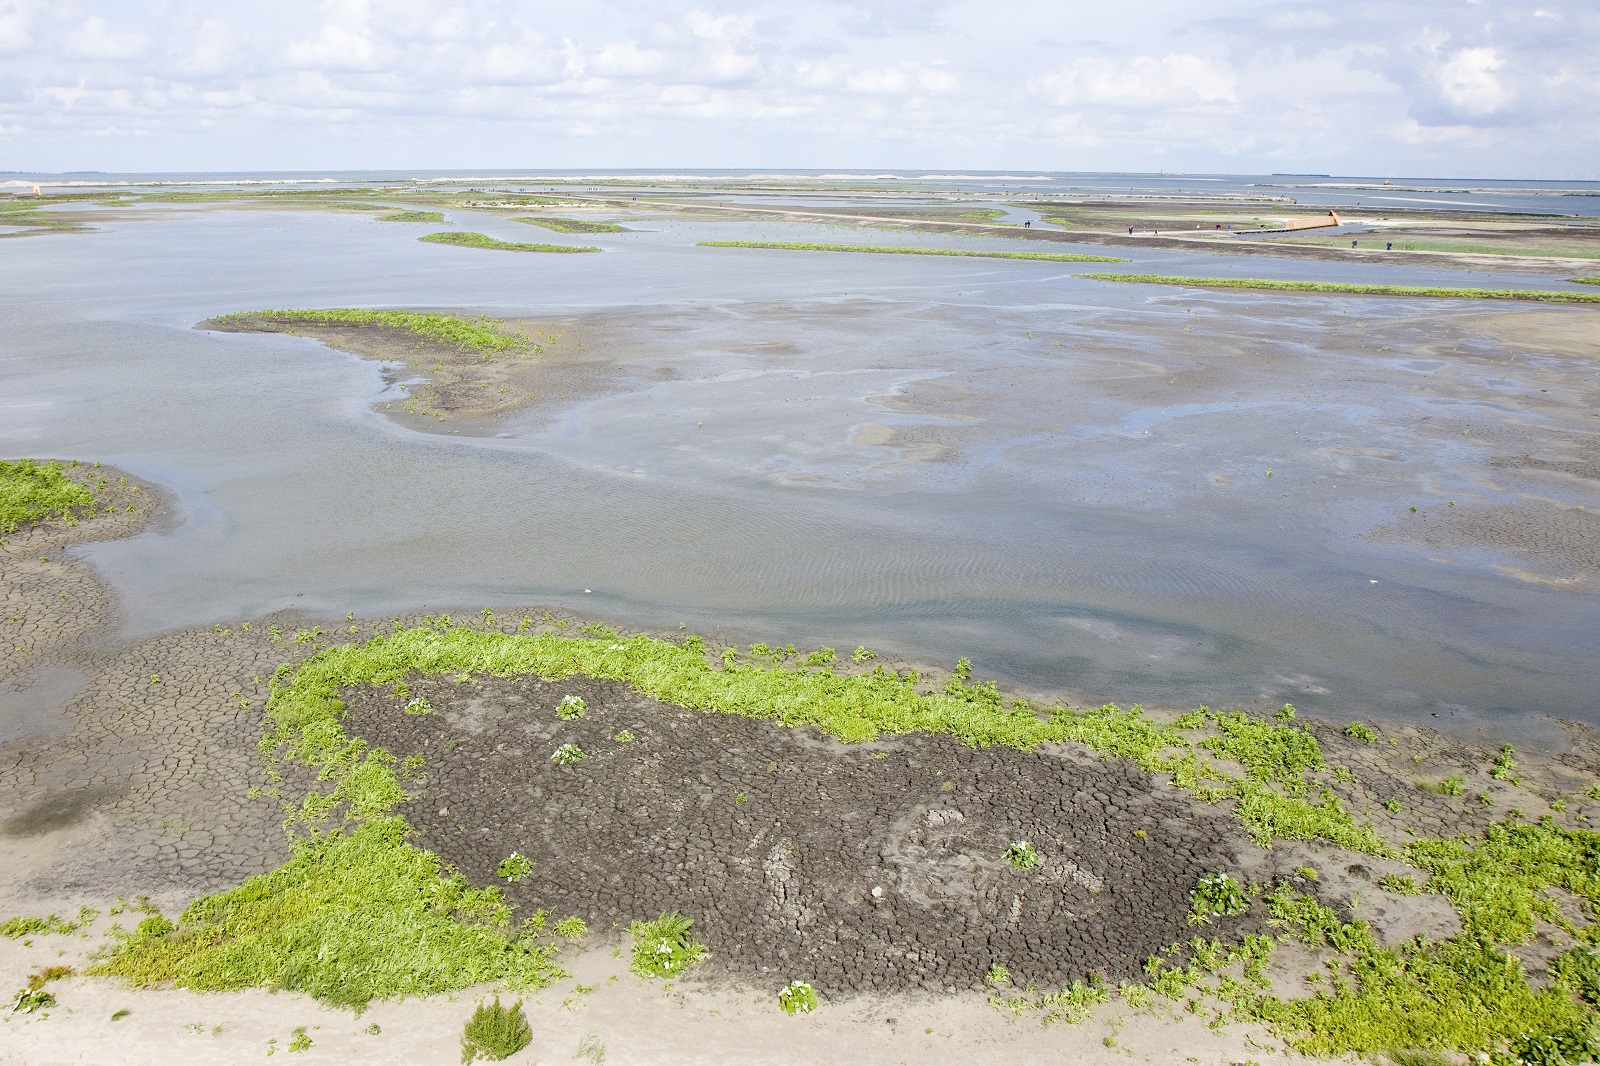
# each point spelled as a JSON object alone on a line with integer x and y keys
{"x": 495, "y": 1032}
{"x": 663, "y": 947}
{"x": 1216, "y": 895}
{"x": 571, "y": 707}
{"x": 567, "y": 754}
{"x": 908, "y": 249}
{"x": 514, "y": 867}
{"x": 467, "y": 239}
{"x": 418, "y": 705}
{"x": 1357, "y": 731}
{"x": 31, "y": 491}
{"x": 1023, "y": 855}
{"x": 1555, "y": 296}
{"x": 570, "y": 225}
{"x": 483, "y": 334}
{"x": 414, "y": 216}
{"x": 571, "y": 928}
{"x": 797, "y": 997}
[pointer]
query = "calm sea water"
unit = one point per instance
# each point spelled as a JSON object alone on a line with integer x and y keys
{"x": 1068, "y": 537}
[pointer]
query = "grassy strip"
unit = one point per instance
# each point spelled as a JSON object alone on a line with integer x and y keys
{"x": 467, "y": 239}
{"x": 481, "y": 334}
{"x": 570, "y": 225}
{"x": 888, "y": 249}
{"x": 1537, "y": 295}
{"x": 1585, "y": 281}
{"x": 414, "y": 216}
{"x": 31, "y": 492}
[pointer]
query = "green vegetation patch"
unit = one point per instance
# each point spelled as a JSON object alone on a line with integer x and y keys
{"x": 31, "y": 492}
{"x": 414, "y": 216}
{"x": 570, "y": 225}
{"x": 468, "y": 239}
{"x": 495, "y": 1032}
{"x": 663, "y": 947}
{"x": 354, "y": 915}
{"x": 1536, "y": 295}
{"x": 1586, "y": 281}
{"x": 891, "y": 249}
{"x": 481, "y": 334}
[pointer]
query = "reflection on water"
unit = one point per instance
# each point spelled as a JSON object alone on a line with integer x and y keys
{"x": 1080, "y": 486}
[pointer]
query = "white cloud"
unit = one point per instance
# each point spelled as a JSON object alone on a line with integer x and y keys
{"x": 95, "y": 39}
{"x": 1174, "y": 81}
{"x": 1469, "y": 80}
{"x": 16, "y": 25}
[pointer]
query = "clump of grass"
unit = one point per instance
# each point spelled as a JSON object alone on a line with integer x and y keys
{"x": 663, "y": 947}
{"x": 1450, "y": 786}
{"x": 1505, "y": 767}
{"x": 571, "y": 928}
{"x": 514, "y": 867}
{"x": 1400, "y": 884}
{"x": 495, "y": 1032}
{"x": 567, "y": 754}
{"x": 29, "y": 1000}
{"x": 797, "y": 997}
{"x": 896, "y": 249}
{"x": 571, "y": 707}
{"x": 468, "y": 239}
{"x": 1363, "y": 733}
{"x": 482, "y": 334}
{"x": 570, "y": 225}
{"x": 32, "y": 492}
{"x": 414, "y": 216}
{"x": 1023, "y": 855}
{"x": 418, "y": 705}
{"x": 1216, "y": 896}
{"x": 624, "y": 737}
{"x": 1538, "y": 295}
{"x": 33, "y": 925}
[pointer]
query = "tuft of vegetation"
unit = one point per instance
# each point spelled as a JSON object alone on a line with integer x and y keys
{"x": 797, "y": 997}
{"x": 567, "y": 754}
{"x": 29, "y": 1000}
{"x": 32, "y": 492}
{"x": 1023, "y": 855}
{"x": 468, "y": 239}
{"x": 573, "y": 928}
{"x": 1450, "y": 786}
{"x": 570, "y": 225}
{"x": 1505, "y": 767}
{"x": 514, "y": 867}
{"x": 495, "y": 1032}
{"x": 896, "y": 249}
{"x": 1363, "y": 733}
{"x": 1400, "y": 884}
{"x": 1554, "y": 296}
{"x": 414, "y": 216}
{"x": 32, "y": 925}
{"x": 663, "y": 947}
{"x": 1216, "y": 896}
{"x": 1585, "y": 281}
{"x": 418, "y": 705}
{"x": 482, "y": 334}
{"x": 571, "y": 707}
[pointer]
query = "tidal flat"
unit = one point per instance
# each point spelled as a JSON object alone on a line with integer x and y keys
{"x": 684, "y": 598}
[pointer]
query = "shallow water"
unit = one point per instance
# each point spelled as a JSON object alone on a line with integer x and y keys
{"x": 853, "y": 450}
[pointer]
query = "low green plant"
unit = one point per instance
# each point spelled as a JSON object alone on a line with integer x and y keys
{"x": 483, "y": 334}
{"x": 1450, "y": 786}
{"x": 1505, "y": 767}
{"x": 414, "y": 216}
{"x": 1585, "y": 281}
{"x": 591, "y": 1049}
{"x": 1401, "y": 884}
{"x": 1216, "y": 896}
{"x": 1363, "y": 733}
{"x": 567, "y": 754}
{"x": 299, "y": 1040}
{"x": 624, "y": 737}
{"x": 418, "y": 705}
{"x": 34, "y": 492}
{"x": 571, "y": 707}
{"x": 572, "y": 928}
{"x": 495, "y": 1032}
{"x": 514, "y": 867}
{"x": 797, "y": 997}
{"x": 895, "y": 249}
{"x": 1557, "y": 296}
{"x": 569, "y": 225}
{"x": 29, "y": 1000}
{"x": 1022, "y": 855}
{"x": 663, "y": 947}
{"x": 468, "y": 239}
{"x": 33, "y": 925}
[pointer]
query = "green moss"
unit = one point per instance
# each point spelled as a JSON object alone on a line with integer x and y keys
{"x": 894, "y": 249}
{"x": 33, "y": 492}
{"x": 467, "y": 239}
{"x": 481, "y": 334}
{"x": 570, "y": 225}
{"x": 1538, "y": 295}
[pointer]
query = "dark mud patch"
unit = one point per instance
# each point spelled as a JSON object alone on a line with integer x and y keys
{"x": 858, "y": 867}
{"x": 60, "y": 810}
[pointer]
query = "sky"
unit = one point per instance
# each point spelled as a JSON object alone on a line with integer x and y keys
{"x": 1451, "y": 88}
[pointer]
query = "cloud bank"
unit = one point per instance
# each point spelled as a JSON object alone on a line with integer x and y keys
{"x": 1458, "y": 87}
